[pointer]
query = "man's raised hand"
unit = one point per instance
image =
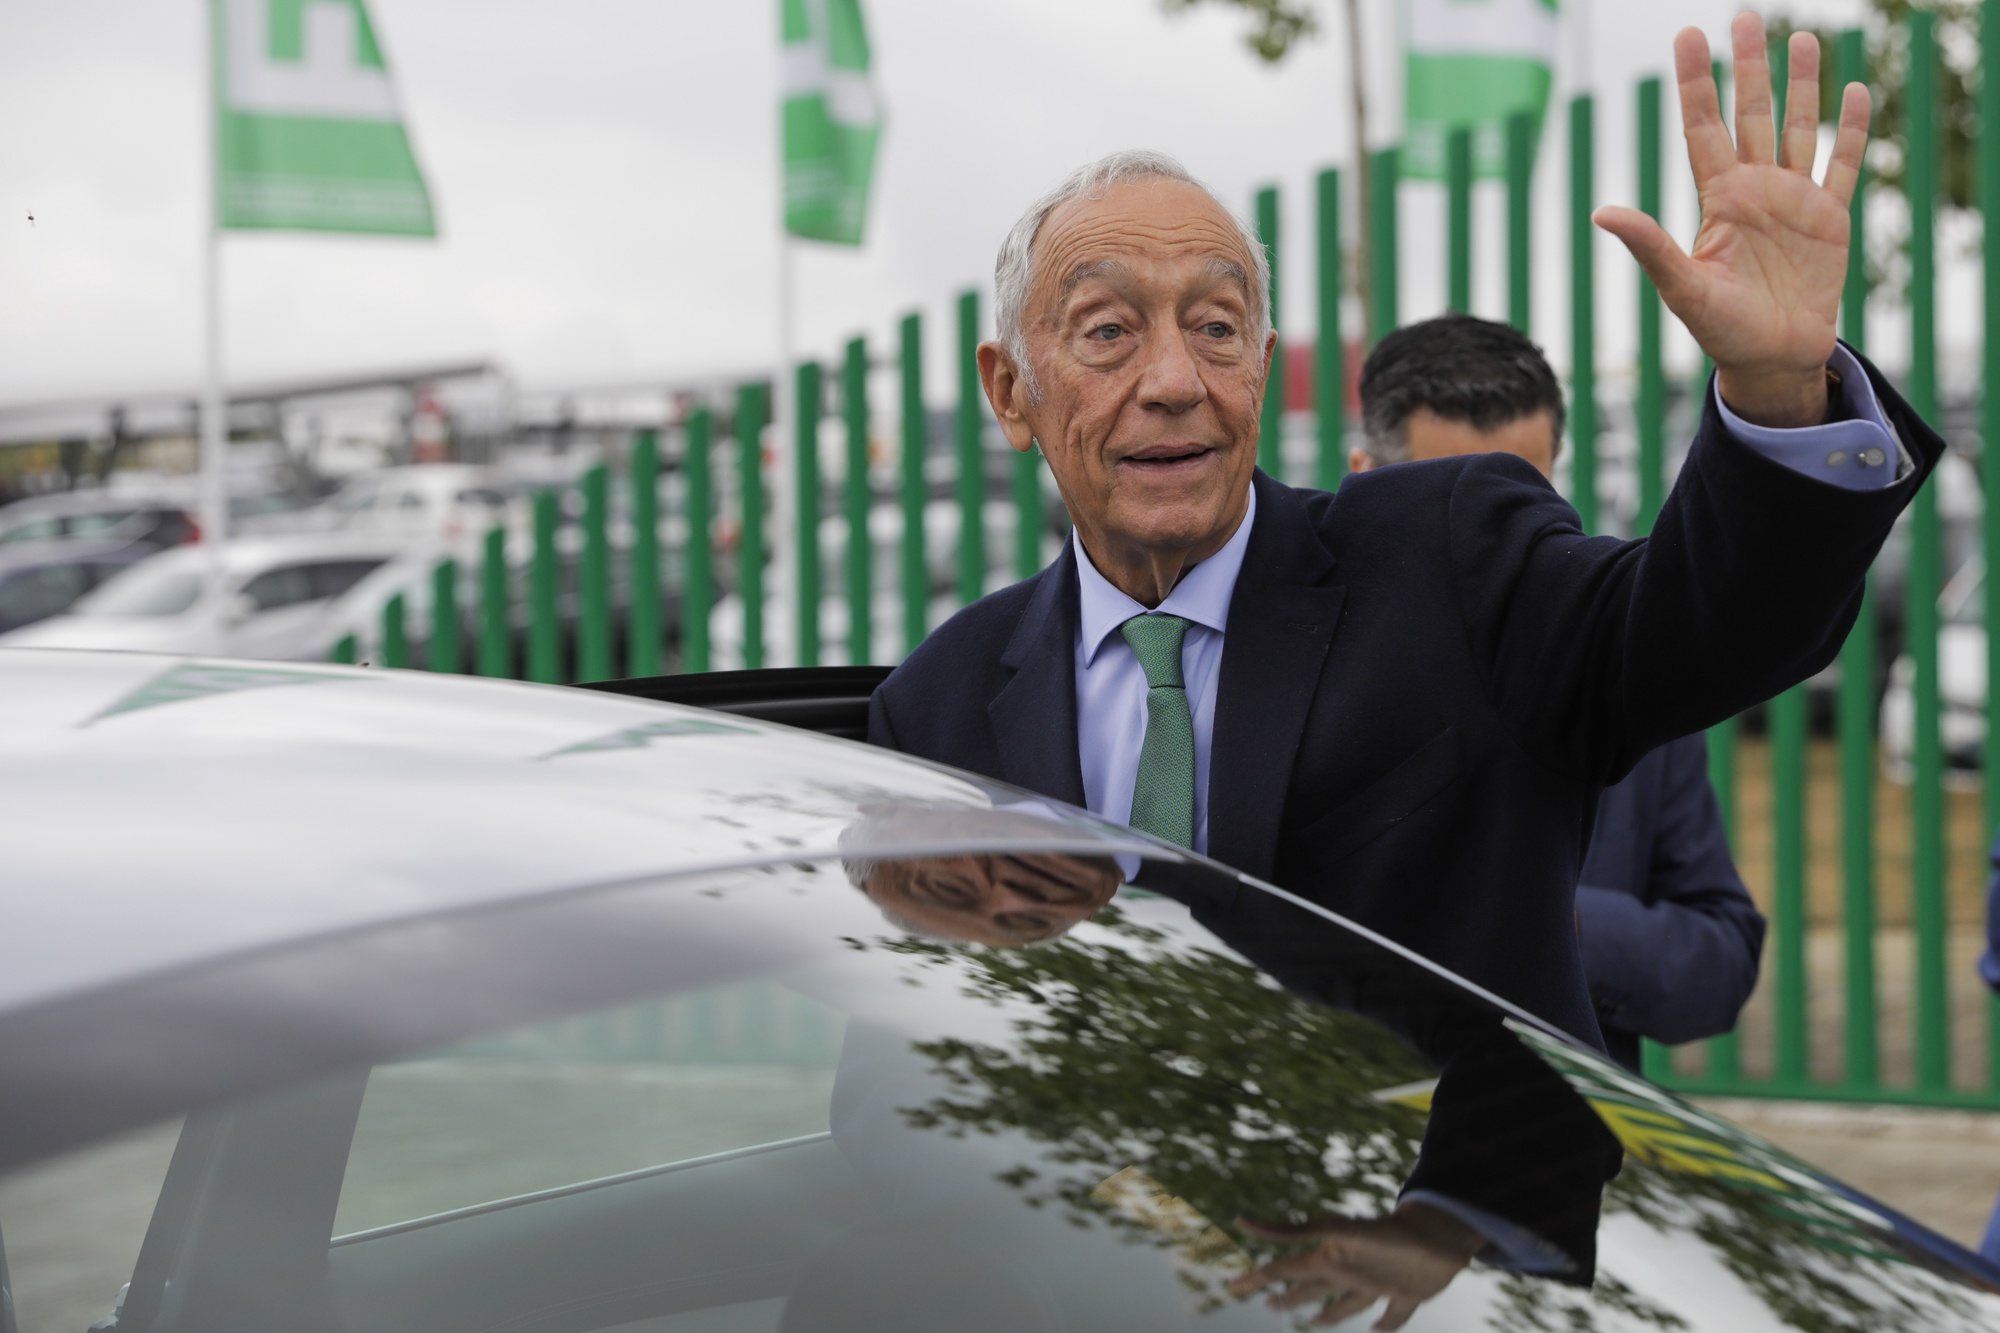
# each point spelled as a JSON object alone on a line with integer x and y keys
{"x": 1760, "y": 291}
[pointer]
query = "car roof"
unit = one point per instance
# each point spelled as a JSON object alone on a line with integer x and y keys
{"x": 65, "y": 551}
{"x": 246, "y": 554}
{"x": 88, "y": 502}
{"x": 166, "y": 812}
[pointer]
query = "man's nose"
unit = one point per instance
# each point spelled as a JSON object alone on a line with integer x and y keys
{"x": 1169, "y": 377}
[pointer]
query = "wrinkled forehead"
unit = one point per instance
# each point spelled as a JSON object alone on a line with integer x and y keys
{"x": 1139, "y": 232}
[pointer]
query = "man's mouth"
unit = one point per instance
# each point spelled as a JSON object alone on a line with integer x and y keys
{"x": 1169, "y": 457}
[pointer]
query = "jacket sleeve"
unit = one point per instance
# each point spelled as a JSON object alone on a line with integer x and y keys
{"x": 1675, "y": 958}
{"x": 1595, "y": 651}
{"x": 881, "y": 731}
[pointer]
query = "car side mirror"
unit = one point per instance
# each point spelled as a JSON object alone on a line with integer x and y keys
{"x": 239, "y": 609}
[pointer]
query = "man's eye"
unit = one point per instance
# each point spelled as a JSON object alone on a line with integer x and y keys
{"x": 1104, "y": 333}
{"x": 1218, "y": 329}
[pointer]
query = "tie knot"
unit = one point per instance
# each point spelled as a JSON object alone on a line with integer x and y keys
{"x": 1156, "y": 642}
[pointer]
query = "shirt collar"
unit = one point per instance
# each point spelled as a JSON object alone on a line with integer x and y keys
{"x": 1202, "y": 596}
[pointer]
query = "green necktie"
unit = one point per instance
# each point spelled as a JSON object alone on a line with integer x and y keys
{"x": 1163, "y": 795}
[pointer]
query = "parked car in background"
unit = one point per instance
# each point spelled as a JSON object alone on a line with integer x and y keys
{"x": 42, "y": 579}
{"x": 1962, "y": 646}
{"x": 402, "y": 1003}
{"x": 101, "y": 515}
{"x": 449, "y": 503}
{"x": 278, "y": 597}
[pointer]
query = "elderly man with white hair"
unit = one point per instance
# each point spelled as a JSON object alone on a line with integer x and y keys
{"x": 1402, "y": 701}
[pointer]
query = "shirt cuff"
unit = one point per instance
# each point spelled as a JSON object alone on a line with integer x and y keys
{"x": 1860, "y": 452}
{"x": 1509, "y": 1245}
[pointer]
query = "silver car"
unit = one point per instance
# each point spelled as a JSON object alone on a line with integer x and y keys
{"x": 341, "y": 1000}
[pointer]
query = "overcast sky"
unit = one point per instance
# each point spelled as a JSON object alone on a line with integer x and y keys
{"x": 604, "y": 174}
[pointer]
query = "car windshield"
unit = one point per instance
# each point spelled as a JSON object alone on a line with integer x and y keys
{"x": 161, "y": 587}
{"x": 982, "y": 1089}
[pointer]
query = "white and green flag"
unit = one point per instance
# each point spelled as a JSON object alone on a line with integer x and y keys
{"x": 308, "y": 134}
{"x": 1474, "y": 63}
{"x": 832, "y": 121}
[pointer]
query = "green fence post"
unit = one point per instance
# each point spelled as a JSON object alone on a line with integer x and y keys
{"x": 698, "y": 597}
{"x": 752, "y": 415}
{"x": 593, "y": 649}
{"x": 1520, "y": 240}
{"x": 496, "y": 628}
{"x": 544, "y": 626}
{"x": 1329, "y": 353}
{"x": 1650, "y": 411}
{"x": 806, "y": 397}
{"x": 1788, "y": 860}
{"x": 346, "y": 651}
{"x": 1989, "y": 434}
{"x": 395, "y": 633}
{"x": 1458, "y": 218}
{"x": 1724, "y": 1057}
{"x": 443, "y": 652}
{"x": 1857, "y": 694}
{"x": 1582, "y": 311}
{"x": 642, "y": 611}
{"x": 967, "y": 428}
{"x": 915, "y": 492}
{"x": 1271, "y": 423}
{"x": 1928, "y": 858}
{"x": 859, "y": 565}
{"x": 1384, "y": 298}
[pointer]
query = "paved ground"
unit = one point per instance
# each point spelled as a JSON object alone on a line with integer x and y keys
{"x": 1940, "y": 1167}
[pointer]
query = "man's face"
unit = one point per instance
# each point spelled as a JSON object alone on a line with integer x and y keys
{"x": 1140, "y": 333}
{"x": 1006, "y": 899}
{"x": 1532, "y": 437}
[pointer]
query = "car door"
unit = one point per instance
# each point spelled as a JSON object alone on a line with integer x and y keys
{"x": 281, "y": 611}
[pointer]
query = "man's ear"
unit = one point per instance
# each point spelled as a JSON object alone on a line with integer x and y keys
{"x": 1270, "y": 352}
{"x": 1008, "y": 394}
{"x": 1358, "y": 459}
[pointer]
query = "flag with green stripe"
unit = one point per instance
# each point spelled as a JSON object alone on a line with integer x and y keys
{"x": 1473, "y": 63}
{"x": 832, "y": 119}
{"x": 309, "y": 134}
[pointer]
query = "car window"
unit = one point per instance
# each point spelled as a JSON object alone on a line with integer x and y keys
{"x": 29, "y": 595}
{"x": 651, "y": 1084}
{"x": 288, "y": 585}
{"x": 333, "y": 577}
{"x": 99, "y": 524}
{"x": 32, "y": 530}
{"x": 152, "y": 589}
{"x": 480, "y": 495}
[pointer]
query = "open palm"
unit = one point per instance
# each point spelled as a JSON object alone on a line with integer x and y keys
{"x": 1760, "y": 290}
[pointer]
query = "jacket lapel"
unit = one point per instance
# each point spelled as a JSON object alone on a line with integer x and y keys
{"x": 1034, "y": 715}
{"x": 1282, "y": 617}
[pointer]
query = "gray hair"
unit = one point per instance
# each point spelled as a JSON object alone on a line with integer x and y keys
{"x": 1014, "y": 269}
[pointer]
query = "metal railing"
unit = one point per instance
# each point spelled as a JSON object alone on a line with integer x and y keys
{"x": 1812, "y": 1039}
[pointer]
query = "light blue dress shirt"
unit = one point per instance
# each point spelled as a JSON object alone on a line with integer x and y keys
{"x": 1860, "y": 452}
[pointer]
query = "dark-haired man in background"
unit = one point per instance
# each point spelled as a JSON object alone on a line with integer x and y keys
{"x": 1670, "y": 937}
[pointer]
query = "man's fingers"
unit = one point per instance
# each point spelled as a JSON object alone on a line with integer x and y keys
{"x": 1802, "y": 103}
{"x": 1348, "y": 1306}
{"x": 1709, "y": 149}
{"x": 1756, "y": 134}
{"x": 1305, "y": 1293}
{"x": 1397, "y": 1314}
{"x": 1843, "y": 169}
{"x": 1664, "y": 261}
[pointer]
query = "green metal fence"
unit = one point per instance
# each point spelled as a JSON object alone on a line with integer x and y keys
{"x": 1867, "y": 992}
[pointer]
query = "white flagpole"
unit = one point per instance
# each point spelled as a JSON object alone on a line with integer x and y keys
{"x": 214, "y": 508}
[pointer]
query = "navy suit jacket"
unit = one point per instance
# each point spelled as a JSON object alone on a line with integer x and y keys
{"x": 1428, "y": 678}
{"x": 1670, "y": 935}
